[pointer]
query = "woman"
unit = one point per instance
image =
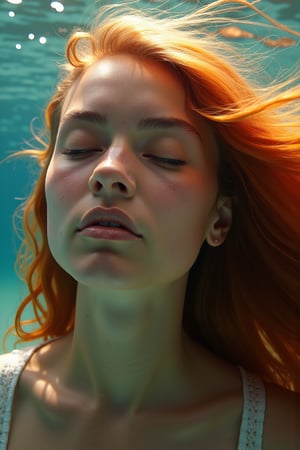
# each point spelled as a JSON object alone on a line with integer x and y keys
{"x": 163, "y": 236}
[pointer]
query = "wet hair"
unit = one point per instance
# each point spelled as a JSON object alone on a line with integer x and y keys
{"x": 242, "y": 300}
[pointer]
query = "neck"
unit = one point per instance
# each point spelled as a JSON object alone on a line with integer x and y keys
{"x": 128, "y": 349}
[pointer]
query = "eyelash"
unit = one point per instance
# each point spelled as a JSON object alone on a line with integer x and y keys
{"x": 80, "y": 151}
{"x": 166, "y": 161}
{"x": 171, "y": 162}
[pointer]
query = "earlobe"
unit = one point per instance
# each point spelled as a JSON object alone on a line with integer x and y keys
{"x": 220, "y": 223}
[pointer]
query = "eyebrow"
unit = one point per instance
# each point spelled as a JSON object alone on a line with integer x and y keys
{"x": 84, "y": 116}
{"x": 162, "y": 123}
{"x": 166, "y": 123}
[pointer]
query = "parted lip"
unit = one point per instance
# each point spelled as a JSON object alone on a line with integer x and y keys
{"x": 95, "y": 216}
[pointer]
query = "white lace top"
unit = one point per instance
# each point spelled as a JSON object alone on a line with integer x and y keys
{"x": 251, "y": 430}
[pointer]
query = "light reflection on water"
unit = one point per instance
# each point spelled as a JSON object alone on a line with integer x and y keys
{"x": 32, "y": 43}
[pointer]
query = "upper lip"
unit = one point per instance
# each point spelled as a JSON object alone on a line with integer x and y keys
{"x": 115, "y": 215}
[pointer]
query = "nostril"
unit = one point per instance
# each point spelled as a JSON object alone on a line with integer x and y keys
{"x": 105, "y": 183}
{"x": 97, "y": 186}
{"x": 122, "y": 187}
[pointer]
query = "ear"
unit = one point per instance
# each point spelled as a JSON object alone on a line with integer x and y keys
{"x": 220, "y": 223}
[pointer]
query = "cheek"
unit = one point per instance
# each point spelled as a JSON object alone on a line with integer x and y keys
{"x": 60, "y": 193}
{"x": 55, "y": 207}
{"x": 61, "y": 187}
{"x": 192, "y": 198}
{"x": 184, "y": 212}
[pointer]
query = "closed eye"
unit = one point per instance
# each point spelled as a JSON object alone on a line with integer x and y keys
{"x": 80, "y": 151}
{"x": 171, "y": 162}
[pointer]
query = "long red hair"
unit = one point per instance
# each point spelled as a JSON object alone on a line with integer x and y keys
{"x": 243, "y": 298}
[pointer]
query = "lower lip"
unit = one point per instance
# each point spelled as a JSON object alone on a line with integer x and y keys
{"x": 108, "y": 233}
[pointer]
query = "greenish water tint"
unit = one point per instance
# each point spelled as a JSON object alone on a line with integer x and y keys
{"x": 33, "y": 36}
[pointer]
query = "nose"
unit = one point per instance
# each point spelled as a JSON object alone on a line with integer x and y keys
{"x": 111, "y": 177}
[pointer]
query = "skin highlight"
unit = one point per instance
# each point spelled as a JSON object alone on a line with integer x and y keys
{"x": 145, "y": 320}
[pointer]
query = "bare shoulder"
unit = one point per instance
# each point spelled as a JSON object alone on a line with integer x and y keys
{"x": 282, "y": 419}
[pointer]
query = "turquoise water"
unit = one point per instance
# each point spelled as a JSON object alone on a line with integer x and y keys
{"x": 33, "y": 35}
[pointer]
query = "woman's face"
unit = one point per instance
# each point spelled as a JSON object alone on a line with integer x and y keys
{"x": 132, "y": 184}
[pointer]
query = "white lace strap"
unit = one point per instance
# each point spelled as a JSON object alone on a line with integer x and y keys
{"x": 251, "y": 430}
{"x": 11, "y": 366}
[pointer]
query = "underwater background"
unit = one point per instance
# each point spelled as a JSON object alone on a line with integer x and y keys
{"x": 33, "y": 36}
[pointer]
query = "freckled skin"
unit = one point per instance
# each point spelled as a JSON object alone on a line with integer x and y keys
{"x": 172, "y": 207}
{"x": 128, "y": 377}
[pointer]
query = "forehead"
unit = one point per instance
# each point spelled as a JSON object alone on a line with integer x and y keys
{"x": 121, "y": 81}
